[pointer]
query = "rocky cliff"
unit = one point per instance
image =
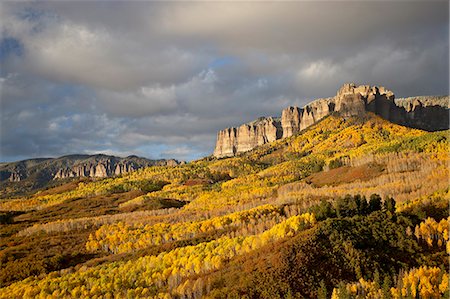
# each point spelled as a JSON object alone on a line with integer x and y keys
{"x": 427, "y": 113}
{"x": 107, "y": 166}
{"x": 236, "y": 140}
{"x": 290, "y": 120}
{"x": 36, "y": 173}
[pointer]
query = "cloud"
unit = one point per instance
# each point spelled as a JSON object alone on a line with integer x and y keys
{"x": 159, "y": 79}
{"x": 92, "y": 54}
{"x": 145, "y": 101}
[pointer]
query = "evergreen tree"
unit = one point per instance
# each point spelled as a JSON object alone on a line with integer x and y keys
{"x": 352, "y": 205}
{"x": 363, "y": 208}
{"x": 357, "y": 200}
{"x": 342, "y": 291}
{"x": 324, "y": 210}
{"x": 389, "y": 204}
{"x": 376, "y": 279}
{"x": 387, "y": 287}
{"x": 322, "y": 291}
{"x": 342, "y": 206}
{"x": 374, "y": 203}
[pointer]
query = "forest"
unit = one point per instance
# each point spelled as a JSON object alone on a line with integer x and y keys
{"x": 348, "y": 208}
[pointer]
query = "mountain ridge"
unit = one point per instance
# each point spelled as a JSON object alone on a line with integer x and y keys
{"x": 428, "y": 113}
{"x": 37, "y": 172}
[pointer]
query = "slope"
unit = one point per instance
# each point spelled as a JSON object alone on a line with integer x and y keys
{"x": 280, "y": 202}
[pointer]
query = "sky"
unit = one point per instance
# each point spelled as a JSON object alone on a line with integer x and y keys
{"x": 159, "y": 79}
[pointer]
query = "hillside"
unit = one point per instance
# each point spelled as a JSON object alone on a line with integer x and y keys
{"x": 430, "y": 113}
{"x": 23, "y": 176}
{"x": 348, "y": 206}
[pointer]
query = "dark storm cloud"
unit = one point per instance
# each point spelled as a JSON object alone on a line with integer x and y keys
{"x": 159, "y": 79}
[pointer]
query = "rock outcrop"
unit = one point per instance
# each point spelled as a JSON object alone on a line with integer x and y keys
{"x": 290, "y": 120}
{"x": 101, "y": 169}
{"x": 15, "y": 177}
{"x": 246, "y": 137}
{"x": 315, "y": 111}
{"x": 106, "y": 166}
{"x": 427, "y": 113}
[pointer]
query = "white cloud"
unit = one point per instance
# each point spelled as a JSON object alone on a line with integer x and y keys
{"x": 319, "y": 70}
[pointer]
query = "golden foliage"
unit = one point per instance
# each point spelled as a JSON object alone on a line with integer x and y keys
{"x": 422, "y": 282}
{"x": 152, "y": 275}
{"x": 433, "y": 232}
{"x": 120, "y": 237}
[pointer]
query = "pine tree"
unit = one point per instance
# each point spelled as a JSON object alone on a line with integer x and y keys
{"x": 387, "y": 287}
{"x": 322, "y": 291}
{"x": 363, "y": 208}
{"x": 342, "y": 291}
{"x": 374, "y": 203}
{"x": 389, "y": 204}
{"x": 376, "y": 279}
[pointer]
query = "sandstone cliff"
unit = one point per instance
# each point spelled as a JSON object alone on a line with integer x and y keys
{"x": 427, "y": 113}
{"x": 290, "y": 121}
{"x": 315, "y": 111}
{"x": 105, "y": 166}
{"x": 236, "y": 140}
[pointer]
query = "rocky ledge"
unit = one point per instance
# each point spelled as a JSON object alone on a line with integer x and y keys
{"x": 426, "y": 113}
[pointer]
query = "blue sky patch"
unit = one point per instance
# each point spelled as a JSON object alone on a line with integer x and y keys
{"x": 10, "y": 46}
{"x": 223, "y": 61}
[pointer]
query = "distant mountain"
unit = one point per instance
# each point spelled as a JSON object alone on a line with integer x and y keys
{"x": 31, "y": 174}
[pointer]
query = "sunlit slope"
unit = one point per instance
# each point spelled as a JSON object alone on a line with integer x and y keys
{"x": 257, "y": 175}
{"x": 235, "y": 225}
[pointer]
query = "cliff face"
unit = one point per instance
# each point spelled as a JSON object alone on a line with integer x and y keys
{"x": 427, "y": 113}
{"x": 105, "y": 168}
{"x": 236, "y": 140}
{"x": 290, "y": 121}
{"x": 315, "y": 111}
